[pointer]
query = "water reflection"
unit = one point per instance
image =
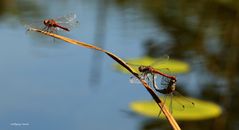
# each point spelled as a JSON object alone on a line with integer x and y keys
{"x": 99, "y": 40}
{"x": 20, "y": 9}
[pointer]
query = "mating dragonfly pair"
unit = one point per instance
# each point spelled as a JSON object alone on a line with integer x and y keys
{"x": 167, "y": 84}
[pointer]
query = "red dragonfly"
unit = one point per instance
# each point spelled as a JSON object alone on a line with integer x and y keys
{"x": 51, "y": 23}
{"x": 147, "y": 71}
{"x": 168, "y": 83}
{"x": 64, "y": 23}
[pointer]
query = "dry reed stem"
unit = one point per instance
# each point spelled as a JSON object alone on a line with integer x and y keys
{"x": 165, "y": 111}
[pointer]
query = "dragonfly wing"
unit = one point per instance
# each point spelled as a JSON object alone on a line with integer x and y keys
{"x": 67, "y": 18}
{"x": 68, "y": 21}
{"x": 151, "y": 80}
{"x": 35, "y": 24}
{"x": 143, "y": 76}
{"x": 161, "y": 81}
{"x": 164, "y": 81}
{"x": 161, "y": 60}
{"x": 154, "y": 80}
{"x": 165, "y": 71}
{"x": 186, "y": 102}
{"x": 134, "y": 80}
{"x": 132, "y": 64}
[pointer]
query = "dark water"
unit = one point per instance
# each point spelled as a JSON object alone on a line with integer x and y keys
{"x": 55, "y": 85}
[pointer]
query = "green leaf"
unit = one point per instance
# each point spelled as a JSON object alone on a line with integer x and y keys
{"x": 175, "y": 66}
{"x": 200, "y": 111}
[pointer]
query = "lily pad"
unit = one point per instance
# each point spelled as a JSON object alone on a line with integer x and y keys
{"x": 200, "y": 111}
{"x": 175, "y": 66}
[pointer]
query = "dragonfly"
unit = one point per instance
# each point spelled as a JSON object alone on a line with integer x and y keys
{"x": 64, "y": 23}
{"x": 168, "y": 83}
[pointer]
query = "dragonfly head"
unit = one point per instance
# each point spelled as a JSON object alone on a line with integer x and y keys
{"x": 141, "y": 68}
{"x": 46, "y": 22}
{"x": 173, "y": 84}
{"x": 174, "y": 79}
{"x": 49, "y": 22}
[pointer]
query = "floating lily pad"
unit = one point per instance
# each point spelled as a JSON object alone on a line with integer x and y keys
{"x": 175, "y": 66}
{"x": 200, "y": 111}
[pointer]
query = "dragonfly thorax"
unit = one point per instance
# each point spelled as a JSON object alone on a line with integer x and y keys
{"x": 145, "y": 69}
{"x": 49, "y": 22}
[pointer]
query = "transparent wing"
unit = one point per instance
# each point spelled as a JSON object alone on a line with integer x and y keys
{"x": 151, "y": 80}
{"x": 165, "y": 71}
{"x": 68, "y": 21}
{"x": 155, "y": 64}
{"x": 164, "y": 103}
{"x": 157, "y": 81}
{"x": 182, "y": 102}
{"x": 35, "y": 24}
{"x": 164, "y": 81}
{"x": 134, "y": 65}
{"x": 161, "y": 60}
{"x": 177, "y": 103}
{"x": 148, "y": 77}
{"x": 134, "y": 80}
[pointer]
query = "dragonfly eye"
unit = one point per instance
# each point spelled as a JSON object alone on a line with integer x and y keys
{"x": 141, "y": 68}
{"x": 45, "y": 22}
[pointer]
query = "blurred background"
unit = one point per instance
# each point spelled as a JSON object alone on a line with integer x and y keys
{"x": 49, "y": 84}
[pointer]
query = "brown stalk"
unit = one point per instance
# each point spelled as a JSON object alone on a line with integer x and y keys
{"x": 165, "y": 111}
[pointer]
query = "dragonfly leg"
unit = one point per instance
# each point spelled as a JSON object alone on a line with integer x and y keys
{"x": 47, "y": 28}
{"x": 188, "y": 100}
{"x": 171, "y": 103}
{"x": 52, "y": 30}
{"x": 44, "y": 29}
{"x": 164, "y": 101}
